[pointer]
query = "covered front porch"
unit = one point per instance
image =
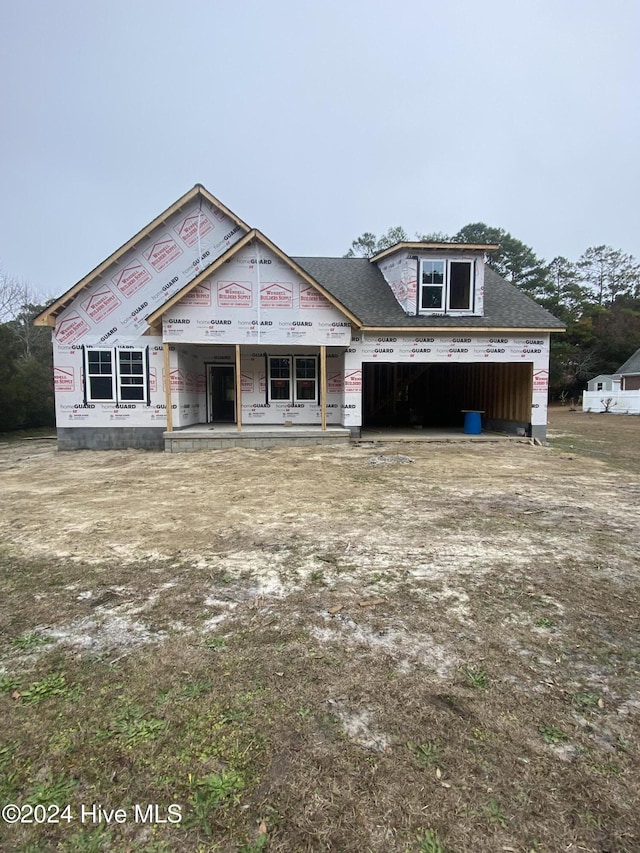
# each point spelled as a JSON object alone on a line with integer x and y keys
{"x": 234, "y": 388}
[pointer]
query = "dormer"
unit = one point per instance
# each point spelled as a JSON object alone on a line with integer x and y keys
{"x": 436, "y": 279}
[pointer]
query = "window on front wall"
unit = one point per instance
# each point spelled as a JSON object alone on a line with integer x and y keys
{"x": 293, "y": 378}
{"x": 131, "y": 375}
{"x": 305, "y": 378}
{"x": 99, "y": 367}
{"x": 280, "y": 378}
{"x": 445, "y": 286}
{"x": 114, "y": 375}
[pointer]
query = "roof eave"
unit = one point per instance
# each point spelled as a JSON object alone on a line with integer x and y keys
{"x": 501, "y": 329}
{"x": 411, "y": 246}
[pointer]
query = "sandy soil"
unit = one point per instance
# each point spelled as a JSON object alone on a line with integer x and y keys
{"x": 375, "y": 596}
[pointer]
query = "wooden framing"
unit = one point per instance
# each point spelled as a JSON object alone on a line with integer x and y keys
{"x": 167, "y": 386}
{"x": 238, "y": 389}
{"x": 323, "y": 387}
{"x": 410, "y": 246}
{"x": 48, "y": 316}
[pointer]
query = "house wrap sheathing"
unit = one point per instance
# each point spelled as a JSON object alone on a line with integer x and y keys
{"x": 200, "y": 319}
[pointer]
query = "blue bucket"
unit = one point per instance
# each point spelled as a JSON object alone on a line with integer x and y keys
{"x": 472, "y": 423}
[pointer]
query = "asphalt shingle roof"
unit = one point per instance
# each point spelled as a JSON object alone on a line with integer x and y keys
{"x": 360, "y": 286}
{"x": 631, "y": 365}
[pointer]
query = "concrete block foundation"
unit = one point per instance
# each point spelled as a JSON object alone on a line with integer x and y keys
{"x": 110, "y": 438}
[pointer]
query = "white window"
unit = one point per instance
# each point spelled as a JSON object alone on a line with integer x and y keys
{"x": 99, "y": 375}
{"x": 132, "y": 380}
{"x": 293, "y": 378}
{"x": 432, "y": 289}
{"x": 305, "y": 388}
{"x": 445, "y": 286}
{"x": 114, "y": 375}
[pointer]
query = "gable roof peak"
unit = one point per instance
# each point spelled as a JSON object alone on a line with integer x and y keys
{"x": 48, "y": 316}
{"x": 251, "y": 237}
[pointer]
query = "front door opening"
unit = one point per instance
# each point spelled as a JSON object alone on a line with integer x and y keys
{"x": 222, "y": 393}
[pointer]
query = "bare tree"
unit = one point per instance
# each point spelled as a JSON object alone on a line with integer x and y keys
{"x": 14, "y": 293}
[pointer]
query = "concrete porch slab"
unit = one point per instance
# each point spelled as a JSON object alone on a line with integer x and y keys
{"x": 220, "y": 436}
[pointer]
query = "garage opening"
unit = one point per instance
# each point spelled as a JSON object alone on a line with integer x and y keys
{"x": 435, "y": 395}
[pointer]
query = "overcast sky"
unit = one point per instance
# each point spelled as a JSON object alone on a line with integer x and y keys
{"x": 316, "y": 121}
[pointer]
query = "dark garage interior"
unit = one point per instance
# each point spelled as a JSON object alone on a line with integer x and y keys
{"x": 435, "y": 395}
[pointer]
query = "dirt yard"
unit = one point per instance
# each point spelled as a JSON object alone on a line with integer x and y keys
{"x": 406, "y": 647}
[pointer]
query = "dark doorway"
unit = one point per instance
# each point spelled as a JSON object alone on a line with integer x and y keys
{"x": 222, "y": 391}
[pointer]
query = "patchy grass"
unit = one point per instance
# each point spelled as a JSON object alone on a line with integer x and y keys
{"x": 434, "y": 657}
{"x": 607, "y": 437}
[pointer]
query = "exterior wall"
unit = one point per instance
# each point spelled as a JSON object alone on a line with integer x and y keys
{"x": 110, "y": 313}
{"x": 445, "y": 349}
{"x": 72, "y": 408}
{"x": 400, "y": 273}
{"x": 631, "y": 383}
{"x": 621, "y": 402}
{"x": 256, "y": 299}
{"x": 188, "y": 386}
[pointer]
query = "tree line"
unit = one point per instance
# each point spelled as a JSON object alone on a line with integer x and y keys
{"x": 597, "y": 296}
{"x": 26, "y": 360}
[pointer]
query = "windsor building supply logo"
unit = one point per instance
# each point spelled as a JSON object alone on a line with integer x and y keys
{"x": 193, "y": 228}
{"x": 163, "y": 253}
{"x": 131, "y": 279}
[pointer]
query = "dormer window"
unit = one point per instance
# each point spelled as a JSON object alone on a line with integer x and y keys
{"x": 432, "y": 291}
{"x": 445, "y": 286}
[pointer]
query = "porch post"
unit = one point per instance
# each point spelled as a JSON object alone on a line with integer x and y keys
{"x": 238, "y": 390}
{"x": 167, "y": 386}
{"x": 323, "y": 387}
